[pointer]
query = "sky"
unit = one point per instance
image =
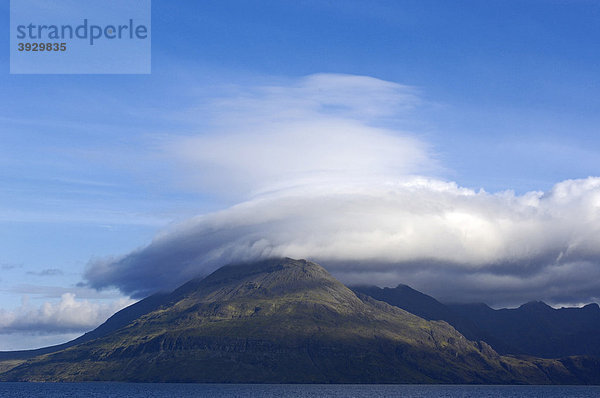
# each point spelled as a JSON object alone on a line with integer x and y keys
{"x": 450, "y": 146}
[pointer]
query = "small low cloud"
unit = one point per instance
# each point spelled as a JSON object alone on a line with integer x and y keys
{"x": 10, "y": 266}
{"x": 49, "y": 292}
{"x": 47, "y": 272}
{"x": 68, "y": 315}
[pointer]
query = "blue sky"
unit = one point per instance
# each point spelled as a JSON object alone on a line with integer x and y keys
{"x": 503, "y": 96}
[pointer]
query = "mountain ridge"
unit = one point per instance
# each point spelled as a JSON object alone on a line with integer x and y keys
{"x": 533, "y": 329}
{"x": 282, "y": 321}
{"x": 537, "y": 329}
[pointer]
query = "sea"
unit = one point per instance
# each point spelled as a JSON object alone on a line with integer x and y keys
{"x": 142, "y": 390}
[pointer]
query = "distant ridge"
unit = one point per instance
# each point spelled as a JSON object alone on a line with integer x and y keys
{"x": 537, "y": 329}
{"x": 534, "y": 328}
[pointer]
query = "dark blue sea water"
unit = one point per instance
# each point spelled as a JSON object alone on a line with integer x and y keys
{"x": 122, "y": 390}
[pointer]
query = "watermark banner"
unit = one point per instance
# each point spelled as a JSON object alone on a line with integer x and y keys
{"x": 80, "y": 36}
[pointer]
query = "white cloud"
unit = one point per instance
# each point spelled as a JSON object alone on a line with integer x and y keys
{"x": 320, "y": 129}
{"x": 67, "y": 315}
{"x": 394, "y": 229}
{"x": 317, "y": 175}
{"x": 296, "y": 153}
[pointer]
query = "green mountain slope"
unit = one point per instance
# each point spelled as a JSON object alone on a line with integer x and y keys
{"x": 286, "y": 321}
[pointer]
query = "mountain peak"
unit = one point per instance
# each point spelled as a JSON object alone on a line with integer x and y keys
{"x": 272, "y": 285}
{"x": 293, "y": 269}
{"x": 270, "y": 276}
{"x": 592, "y": 307}
{"x": 536, "y": 306}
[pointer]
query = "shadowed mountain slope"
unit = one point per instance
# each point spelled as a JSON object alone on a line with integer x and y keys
{"x": 285, "y": 321}
{"x": 536, "y": 328}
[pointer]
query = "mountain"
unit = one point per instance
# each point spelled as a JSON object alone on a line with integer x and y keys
{"x": 286, "y": 321}
{"x": 422, "y": 305}
{"x": 534, "y": 329}
{"x": 537, "y": 329}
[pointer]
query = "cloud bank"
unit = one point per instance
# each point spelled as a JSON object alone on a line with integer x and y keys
{"x": 320, "y": 172}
